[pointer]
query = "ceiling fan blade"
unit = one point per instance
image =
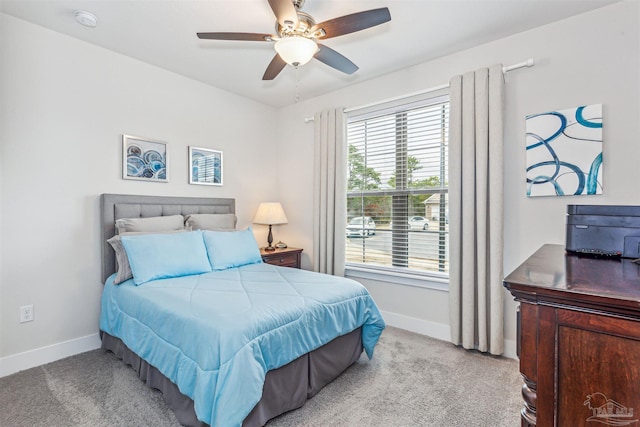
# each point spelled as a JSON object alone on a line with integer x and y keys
{"x": 275, "y": 66}
{"x": 285, "y": 12}
{"x": 351, "y": 23}
{"x": 334, "y": 59}
{"x": 251, "y": 37}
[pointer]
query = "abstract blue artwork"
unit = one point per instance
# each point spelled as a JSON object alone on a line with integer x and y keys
{"x": 144, "y": 159}
{"x": 206, "y": 166}
{"x": 564, "y": 152}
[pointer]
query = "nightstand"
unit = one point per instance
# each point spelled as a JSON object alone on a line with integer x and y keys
{"x": 287, "y": 257}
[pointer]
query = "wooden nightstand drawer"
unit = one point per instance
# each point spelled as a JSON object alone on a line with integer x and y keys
{"x": 285, "y": 260}
{"x": 288, "y": 257}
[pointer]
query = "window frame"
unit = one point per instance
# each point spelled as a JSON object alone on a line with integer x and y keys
{"x": 394, "y": 274}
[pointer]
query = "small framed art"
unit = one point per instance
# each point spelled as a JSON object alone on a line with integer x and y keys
{"x": 144, "y": 159}
{"x": 205, "y": 166}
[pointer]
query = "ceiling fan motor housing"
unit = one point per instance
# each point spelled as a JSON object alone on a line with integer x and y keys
{"x": 305, "y": 23}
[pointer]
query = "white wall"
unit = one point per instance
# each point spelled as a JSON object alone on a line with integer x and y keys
{"x": 65, "y": 105}
{"x": 591, "y": 58}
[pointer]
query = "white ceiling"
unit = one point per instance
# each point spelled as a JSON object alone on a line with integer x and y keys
{"x": 163, "y": 33}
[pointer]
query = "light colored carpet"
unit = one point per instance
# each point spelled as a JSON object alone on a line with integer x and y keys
{"x": 413, "y": 380}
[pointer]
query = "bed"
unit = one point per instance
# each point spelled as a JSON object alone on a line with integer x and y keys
{"x": 238, "y": 345}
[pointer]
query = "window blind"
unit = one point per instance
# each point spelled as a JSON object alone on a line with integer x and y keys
{"x": 397, "y": 206}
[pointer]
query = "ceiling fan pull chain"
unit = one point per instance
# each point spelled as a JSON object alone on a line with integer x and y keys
{"x": 297, "y": 84}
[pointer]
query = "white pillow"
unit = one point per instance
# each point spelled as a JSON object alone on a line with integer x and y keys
{"x": 211, "y": 221}
{"x": 154, "y": 223}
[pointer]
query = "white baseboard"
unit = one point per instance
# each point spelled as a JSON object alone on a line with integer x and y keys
{"x": 434, "y": 330}
{"x": 43, "y": 355}
{"x": 419, "y": 326}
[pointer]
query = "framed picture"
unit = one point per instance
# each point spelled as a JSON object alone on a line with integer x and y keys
{"x": 564, "y": 152}
{"x": 144, "y": 159}
{"x": 205, "y": 166}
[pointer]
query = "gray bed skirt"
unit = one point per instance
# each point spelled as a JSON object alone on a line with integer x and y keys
{"x": 285, "y": 388}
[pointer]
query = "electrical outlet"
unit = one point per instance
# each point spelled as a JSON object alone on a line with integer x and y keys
{"x": 26, "y": 313}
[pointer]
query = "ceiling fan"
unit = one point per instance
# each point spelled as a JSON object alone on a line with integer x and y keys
{"x": 297, "y": 34}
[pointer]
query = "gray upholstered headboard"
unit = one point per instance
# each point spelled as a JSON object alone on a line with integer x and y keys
{"x": 116, "y": 206}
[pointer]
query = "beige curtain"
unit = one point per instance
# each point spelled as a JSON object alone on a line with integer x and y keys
{"x": 476, "y": 210}
{"x": 329, "y": 192}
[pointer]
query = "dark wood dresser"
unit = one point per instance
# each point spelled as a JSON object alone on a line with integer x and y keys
{"x": 578, "y": 339}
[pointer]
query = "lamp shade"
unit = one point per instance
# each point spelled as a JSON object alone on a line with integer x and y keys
{"x": 296, "y": 50}
{"x": 270, "y": 213}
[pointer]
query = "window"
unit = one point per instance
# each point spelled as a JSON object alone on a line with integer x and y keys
{"x": 397, "y": 205}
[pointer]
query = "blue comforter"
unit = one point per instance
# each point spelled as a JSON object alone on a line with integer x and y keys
{"x": 216, "y": 335}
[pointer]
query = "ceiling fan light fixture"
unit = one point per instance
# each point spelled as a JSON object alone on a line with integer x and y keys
{"x": 296, "y": 50}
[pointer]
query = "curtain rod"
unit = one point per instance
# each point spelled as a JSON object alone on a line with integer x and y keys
{"x": 524, "y": 64}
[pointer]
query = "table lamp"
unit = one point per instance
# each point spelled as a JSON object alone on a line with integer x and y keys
{"x": 270, "y": 213}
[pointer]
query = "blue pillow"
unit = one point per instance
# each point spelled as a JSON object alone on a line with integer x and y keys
{"x": 158, "y": 256}
{"x": 229, "y": 249}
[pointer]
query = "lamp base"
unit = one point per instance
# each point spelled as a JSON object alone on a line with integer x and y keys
{"x": 269, "y": 248}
